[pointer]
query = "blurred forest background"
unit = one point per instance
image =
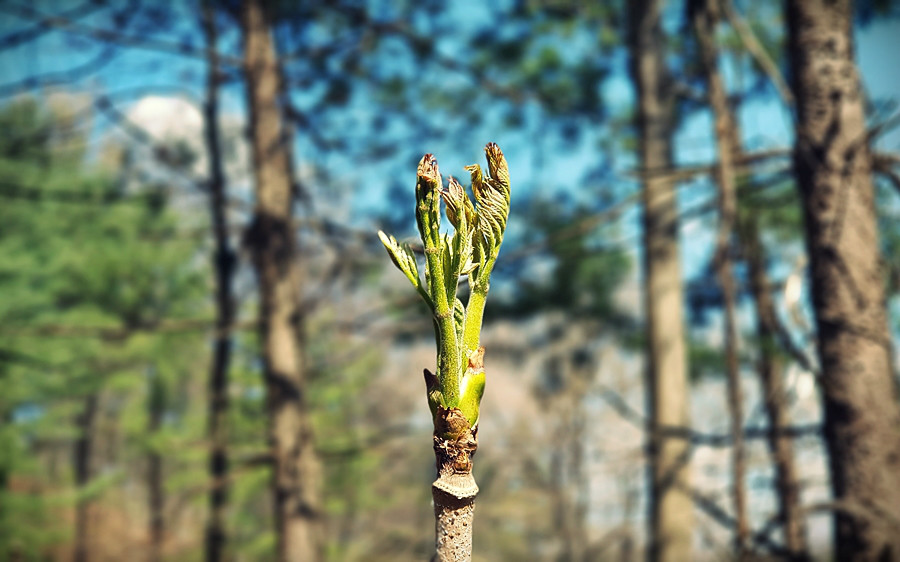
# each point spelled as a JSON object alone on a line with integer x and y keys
{"x": 654, "y": 384}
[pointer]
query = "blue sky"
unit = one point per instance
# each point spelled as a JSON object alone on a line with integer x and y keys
{"x": 557, "y": 169}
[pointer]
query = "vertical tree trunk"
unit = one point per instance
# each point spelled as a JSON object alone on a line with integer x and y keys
{"x": 271, "y": 240}
{"x": 671, "y": 509}
{"x": 454, "y": 490}
{"x": 156, "y": 495}
{"x": 770, "y": 374}
{"x": 833, "y": 168}
{"x": 224, "y": 262}
{"x": 83, "y": 461}
{"x": 705, "y": 16}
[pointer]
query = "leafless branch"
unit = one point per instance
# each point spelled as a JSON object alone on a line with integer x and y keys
{"x": 115, "y": 333}
{"x": 614, "y": 400}
{"x": 35, "y": 31}
{"x": 114, "y": 37}
{"x": 758, "y": 52}
{"x": 50, "y": 79}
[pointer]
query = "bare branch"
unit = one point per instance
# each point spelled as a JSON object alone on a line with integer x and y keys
{"x": 21, "y": 36}
{"x": 614, "y": 400}
{"x": 114, "y": 333}
{"x": 49, "y": 79}
{"x": 758, "y": 52}
{"x": 115, "y": 37}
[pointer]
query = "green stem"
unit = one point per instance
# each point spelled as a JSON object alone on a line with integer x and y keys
{"x": 475, "y": 307}
{"x": 474, "y": 315}
{"x": 448, "y": 353}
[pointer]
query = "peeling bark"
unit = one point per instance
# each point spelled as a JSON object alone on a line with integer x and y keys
{"x": 455, "y": 489}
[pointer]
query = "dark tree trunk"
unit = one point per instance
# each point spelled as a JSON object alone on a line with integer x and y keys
{"x": 224, "y": 262}
{"x": 670, "y": 507}
{"x": 705, "y": 16}
{"x": 83, "y": 461}
{"x": 156, "y": 494}
{"x": 770, "y": 374}
{"x": 273, "y": 245}
{"x": 833, "y": 168}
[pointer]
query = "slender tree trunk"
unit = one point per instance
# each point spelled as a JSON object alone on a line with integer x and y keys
{"x": 224, "y": 262}
{"x": 83, "y": 460}
{"x": 272, "y": 242}
{"x": 671, "y": 516}
{"x": 833, "y": 168}
{"x": 454, "y": 490}
{"x": 156, "y": 495}
{"x": 770, "y": 374}
{"x": 705, "y": 16}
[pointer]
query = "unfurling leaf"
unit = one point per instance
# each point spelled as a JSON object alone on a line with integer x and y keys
{"x": 460, "y": 210}
{"x": 402, "y": 257}
{"x": 471, "y": 250}
{"x": 428, "y": 203}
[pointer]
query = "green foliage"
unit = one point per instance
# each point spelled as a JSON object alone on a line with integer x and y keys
{"x": 472, "y": 250}
{"x": 579, "y": 273}
{"x": 89, "y": 271}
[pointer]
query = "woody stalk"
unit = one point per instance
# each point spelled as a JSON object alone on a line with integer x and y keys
{"x": 454, "y": 393}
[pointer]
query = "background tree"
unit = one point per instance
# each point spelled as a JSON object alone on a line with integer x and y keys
{"x": 833, "y": 165}
{"x": 295, "y": 484}
{"x": 671, "y": 509}
{"x": 366, "y": 88}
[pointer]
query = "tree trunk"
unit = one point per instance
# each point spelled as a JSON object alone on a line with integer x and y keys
{"x": 156, "y": 495}
{"x": 224, "y": 262}
{"x": 272, "y": 243}
{"x": 454, "y": 490}
{"x": 83, "y": 461}
{"x": 671, "y": 509}
{"x": 833, "y": 166}
{"x": 770, "y": 374}
{"x": 705, "y": 16}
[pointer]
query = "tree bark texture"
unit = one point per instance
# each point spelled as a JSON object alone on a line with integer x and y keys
{"x": 705, "y": 17}
{"x": 272, "y": 242}
{"x": 671, "y": 514}
{"x": 84, "y": 472}
{"x": 224, "y": 262}
{"x": 775, "y": 396}
{"x": 455, "y": 489}
{"x": 833, "y": 168}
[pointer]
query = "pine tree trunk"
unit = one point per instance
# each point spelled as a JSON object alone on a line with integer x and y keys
{"x": 272, "y": 242}
{"x": 83, "y": 461}
{"x": 833, "y": 168}
{"x": 224, "y": 262}
{"x": 155, "y": 492}
{"x": 454, "y": 490}
{"x": 671, "y": 509}
{"x": 704, "y": 14}
{"x": 770, "y": 374}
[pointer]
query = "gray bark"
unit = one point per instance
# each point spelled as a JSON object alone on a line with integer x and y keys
{"x": 454, "y": 490}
